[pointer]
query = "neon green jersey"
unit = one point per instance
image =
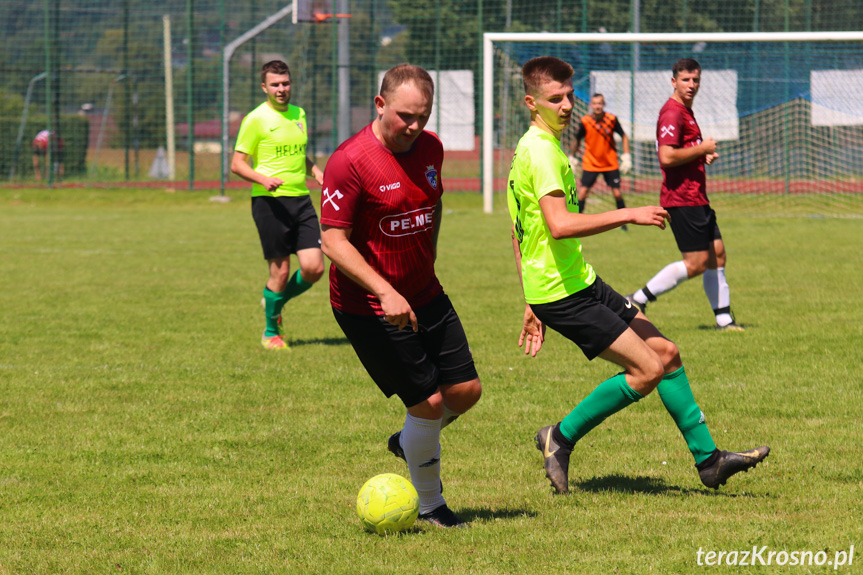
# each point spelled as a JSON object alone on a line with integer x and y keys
{"x": 550, "y": 269}
{"x": 276, "y": 142}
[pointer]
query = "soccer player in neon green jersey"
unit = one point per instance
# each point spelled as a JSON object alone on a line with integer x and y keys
{"x": 564, "y": 292}
{"x": 274, "y": 137}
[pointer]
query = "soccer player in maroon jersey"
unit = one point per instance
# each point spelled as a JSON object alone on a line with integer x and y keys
{"x": 683, "y": 153}
{"x": 380, "y": 216}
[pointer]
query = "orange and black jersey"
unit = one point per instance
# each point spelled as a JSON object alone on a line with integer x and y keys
{"x": 600, "y": 154}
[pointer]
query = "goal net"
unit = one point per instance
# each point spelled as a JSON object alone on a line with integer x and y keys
{"x": 786, "y": 109}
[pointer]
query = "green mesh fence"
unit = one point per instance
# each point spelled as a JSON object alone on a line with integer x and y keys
{"x": 94, "y": 72}
{"x": 787, "y": 116}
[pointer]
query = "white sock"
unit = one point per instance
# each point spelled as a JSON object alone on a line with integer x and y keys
{"x": 420, "y": 441}
{"x": 718, "y": 294}
{"x": 448, "y": 416}
{"x": 666, "y": 280}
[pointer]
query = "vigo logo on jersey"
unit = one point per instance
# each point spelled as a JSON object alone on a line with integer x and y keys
{"x": 390, "y": 187}
{"x": 409, "y": 223}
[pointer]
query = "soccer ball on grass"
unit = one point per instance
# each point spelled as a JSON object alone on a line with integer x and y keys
{"x": 388, "y": 503}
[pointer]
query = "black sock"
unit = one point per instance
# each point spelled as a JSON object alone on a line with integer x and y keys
{"x": 649, "y": 294}
{"x": 581, "y": 206}
{"x": 620, "y": 203}
{"x": 560, "y": 438}
{"x": 709, "y": 461}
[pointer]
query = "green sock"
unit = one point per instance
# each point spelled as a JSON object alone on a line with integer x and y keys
{"x": 676, "y": 395}
{"x": 273, "y": 304}
{"x": 296, "y": 286}
{"x": 608, "y": 398}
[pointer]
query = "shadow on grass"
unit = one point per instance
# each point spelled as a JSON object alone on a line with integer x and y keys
{"x": 471, "y": 514}
{"x": 318, "y": 340}
{"x": 650, "y": 485}
{"x": 713, "y": 327}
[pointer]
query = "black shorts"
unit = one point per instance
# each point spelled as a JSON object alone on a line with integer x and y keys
{"x": 592, "y": 318}
{"x": 612, "y": 178}
{"x": 412, "y": 365}
{"x": 286, "y": 225}
{"x": 694, "y": 227}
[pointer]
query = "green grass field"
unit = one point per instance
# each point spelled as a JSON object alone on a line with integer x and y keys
{"x": 144, "y": 430}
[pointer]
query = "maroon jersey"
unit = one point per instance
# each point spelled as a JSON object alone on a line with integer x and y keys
{"x": 684, "y": 185}
{"x": 388, "y": 201}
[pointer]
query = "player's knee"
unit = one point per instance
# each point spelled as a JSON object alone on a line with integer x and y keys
{"x": 313, "y": 274}
{"x": 462, "y": 396}
{"x": 696, "y": 267}
{"x": 648, "y": 375}
{"x": 472, "y": 393}
{"x": 429, "y": 408}
{"x": 670, "y": 356}
{"x": 279, "y": 276}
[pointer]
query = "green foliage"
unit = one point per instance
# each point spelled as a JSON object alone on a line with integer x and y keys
{"x": 144, "y": 430}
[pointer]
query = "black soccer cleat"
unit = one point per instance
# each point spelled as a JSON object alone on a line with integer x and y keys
{"x": 555, "y": 459}
{"x": 394, "y": 446}
{"x": 729, "y": 463}
{"x": 642, "y": 307}
{"x": 443, "y": 517}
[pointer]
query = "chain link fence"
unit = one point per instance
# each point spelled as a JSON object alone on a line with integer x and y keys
{"x": 132, "y": 91}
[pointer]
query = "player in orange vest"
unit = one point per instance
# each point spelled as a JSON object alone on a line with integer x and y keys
{"x": 597, "y": 129}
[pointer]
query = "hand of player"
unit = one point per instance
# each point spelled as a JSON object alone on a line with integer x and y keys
{"x": 272, "y": 184}
{"x": 649, "y": 216}
{"x": 398, "y": 312}
{"x": 532, "y": 333}
{"x": 625, "y": 163}
{"x": 710, "y": 158}
{"x": 708, "y": 146}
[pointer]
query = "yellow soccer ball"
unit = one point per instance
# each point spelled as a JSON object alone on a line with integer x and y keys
{"x": 388, "y": 503}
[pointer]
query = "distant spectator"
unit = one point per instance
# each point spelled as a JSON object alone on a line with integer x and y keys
{"x": 41, "y": 142}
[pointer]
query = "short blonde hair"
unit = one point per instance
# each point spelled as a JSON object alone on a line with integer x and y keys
{"x": 407, "y": 74}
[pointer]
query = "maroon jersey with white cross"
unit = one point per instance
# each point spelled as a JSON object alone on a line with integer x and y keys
{"x": 388, "y": 201}
{"x": 684, "y": 185}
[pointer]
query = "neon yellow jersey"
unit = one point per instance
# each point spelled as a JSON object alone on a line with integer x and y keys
{"x": 550, "y": 269}
{"x": 276, "y": 142}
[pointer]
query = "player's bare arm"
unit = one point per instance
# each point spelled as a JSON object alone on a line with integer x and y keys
{"x": 564, "y": 224}
{"x": 533, "y": 330}
{"x": 336, "y": 245}
{"x": 438, "y": 215}
{"x": 670, "y": 157}
{"x": 240, "y": 166}
{"x": 314, "y": 171}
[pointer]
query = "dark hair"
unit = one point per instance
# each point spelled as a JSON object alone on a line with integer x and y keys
{"x": 407, "y": 74}
{"x": 274, "y": 67}
{"x": 685, "y": 65}
{"x": 541, "y": 69}
{"x": 597, "y": 95}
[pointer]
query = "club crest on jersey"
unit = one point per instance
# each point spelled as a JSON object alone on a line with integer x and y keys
{"x": 300, "y": 126}
{"x": 431, "y": 176}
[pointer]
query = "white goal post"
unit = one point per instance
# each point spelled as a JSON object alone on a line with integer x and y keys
{"x": 826, "y": 106}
